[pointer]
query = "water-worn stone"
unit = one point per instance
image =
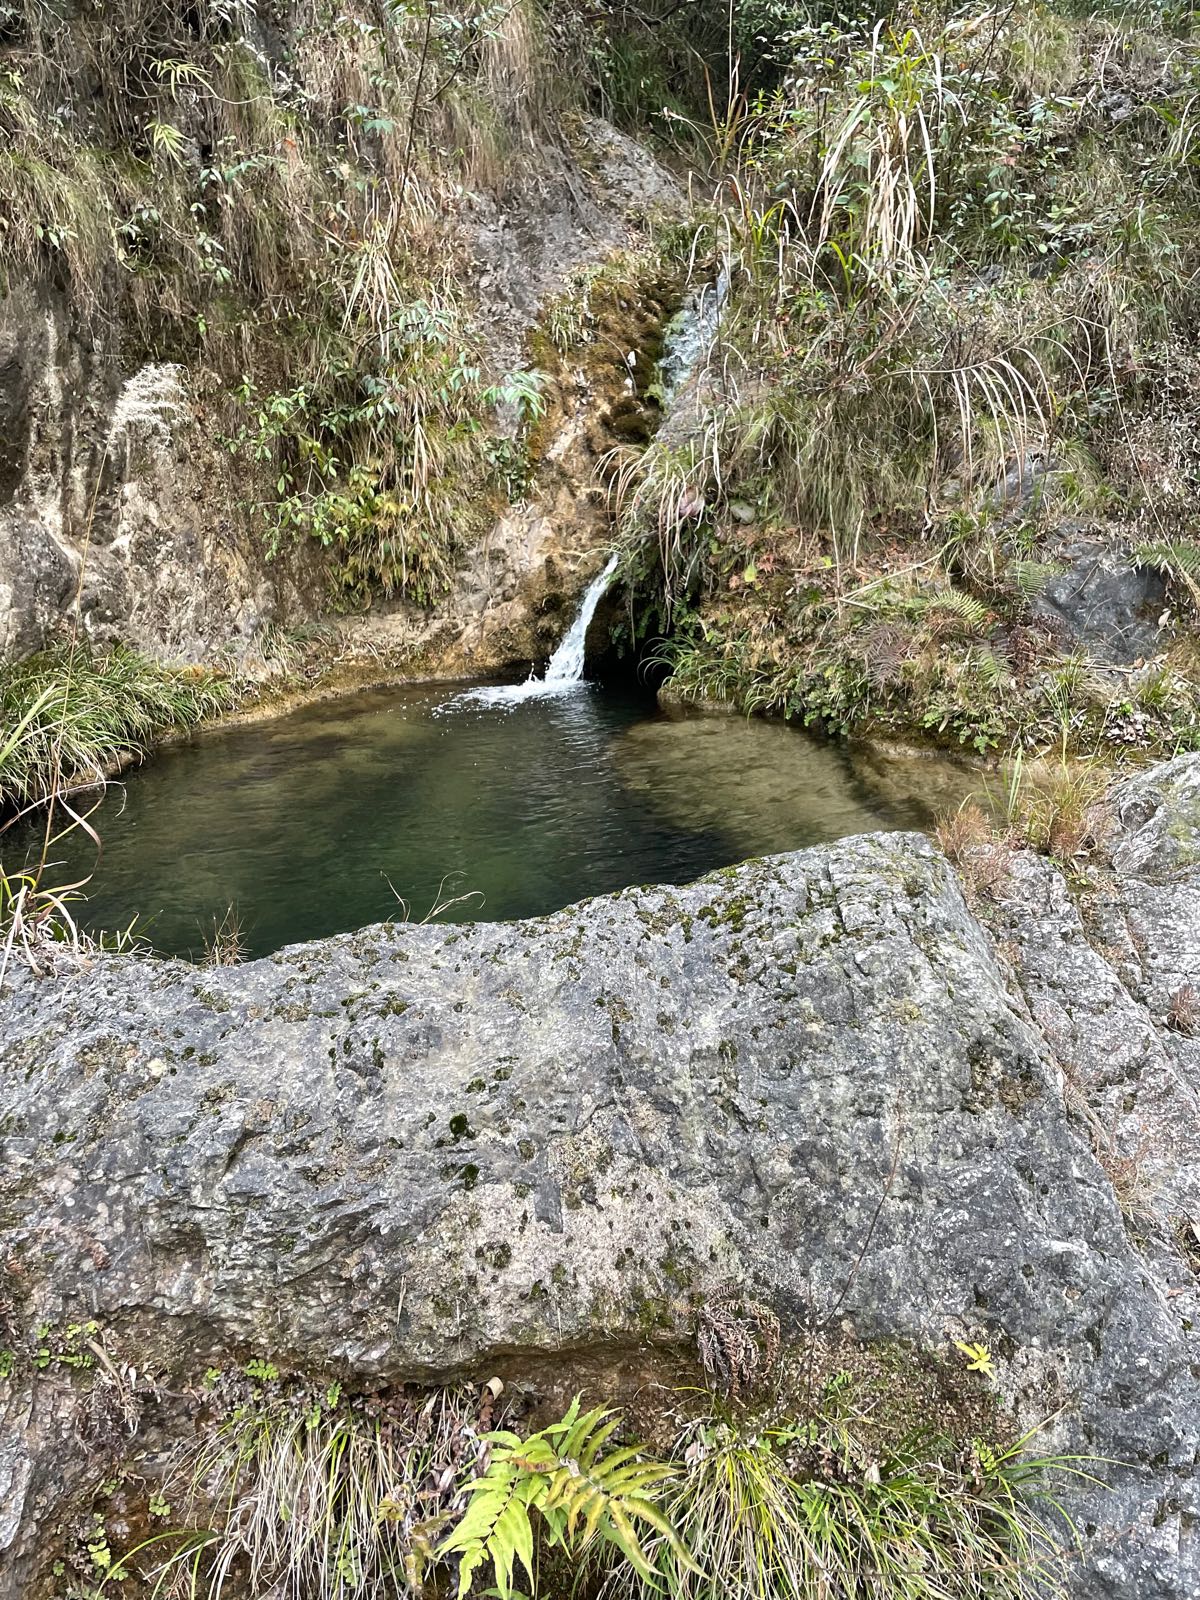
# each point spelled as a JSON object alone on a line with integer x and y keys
{"x": 120, "y": 478}
{"x": 408, "y": 1151}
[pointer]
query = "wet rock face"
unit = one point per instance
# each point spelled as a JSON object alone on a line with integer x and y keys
{"x": 38, "y": 578}
{"x": 405, "y": 1152}
{"x": 1104, "y": 602}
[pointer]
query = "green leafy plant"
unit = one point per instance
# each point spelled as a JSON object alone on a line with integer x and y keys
{"x": 1178, "y": 558}
{"x": 580, "y": 1495}
{"x": 384, "y": 455}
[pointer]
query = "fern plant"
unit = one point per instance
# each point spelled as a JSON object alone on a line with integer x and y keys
{"x": 959, "y": 606}
{"x": 581, "y": 1495}
{"x": 1176, "y": 558}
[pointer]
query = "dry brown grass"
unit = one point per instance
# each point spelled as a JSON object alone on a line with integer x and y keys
{"x": 1183, "y": 1014}
{"x": 981, "y": 853}
{"x": 226, "y": 945}
{"x": 1062, "y": 812}
{"x": 1187, "y": 1237}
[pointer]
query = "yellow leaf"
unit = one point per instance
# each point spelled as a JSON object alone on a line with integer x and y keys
{"x": 978, "y": 1357}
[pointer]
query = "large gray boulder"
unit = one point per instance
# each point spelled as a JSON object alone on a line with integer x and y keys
{"x": 415, "y": 1152}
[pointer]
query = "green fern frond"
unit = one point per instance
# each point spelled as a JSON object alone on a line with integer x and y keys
{"x": 1175, "y": 557}
{"x": 1031, "y": 577}
{"x": 990, "y": 670}
{"x": 580, "y": 1494}
{"x": 964, "y": 608}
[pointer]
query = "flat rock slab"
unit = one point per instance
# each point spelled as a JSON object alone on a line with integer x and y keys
{"x": 405, "y": 1152}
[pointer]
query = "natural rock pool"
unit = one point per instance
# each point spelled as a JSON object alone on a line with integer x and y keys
{"x": 316, "y": 822}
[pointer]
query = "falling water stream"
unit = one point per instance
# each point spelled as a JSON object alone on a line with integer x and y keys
{"x": 564, "y": 670}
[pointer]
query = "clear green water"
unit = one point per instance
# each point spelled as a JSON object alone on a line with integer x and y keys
{"x": 314, "y": 823}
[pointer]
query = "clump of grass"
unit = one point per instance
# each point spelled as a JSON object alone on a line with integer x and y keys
{"x": 969, "y": 839}
{"x": 319, "y": 1494}
{"x": 38, "y": 918}
{"x": 818, "y": 1508}
{"x": 1183, "y": 1013}
{"x": 76, "y": 714}
{"x": 1058, "y": 808}
{"x": 71, "y": 716}
{"x": 225, "y": 945}
{"x": 821, "y": 1497}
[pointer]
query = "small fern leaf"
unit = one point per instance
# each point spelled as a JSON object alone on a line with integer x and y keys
{"x": 568, "y": 1421}
{"x": 514, "y": 1539}
{"x": 1031, "y": 577}
{"x": 583, "y": 1429}
{"x": 1176, "y": 557}
{"x": 597, "y": 1442}
{"x": 964, "y": 608}
{"x": 606, "y": 1471}
{"x": 595, "y": 1510}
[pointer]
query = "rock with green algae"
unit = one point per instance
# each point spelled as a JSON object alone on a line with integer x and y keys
{"x": 407, "y": 1152}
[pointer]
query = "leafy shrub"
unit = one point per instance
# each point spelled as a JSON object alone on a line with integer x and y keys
{"x": 382, "y": 456}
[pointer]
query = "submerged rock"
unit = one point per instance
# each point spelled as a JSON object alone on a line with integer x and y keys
{"x": 414, "y": 1152}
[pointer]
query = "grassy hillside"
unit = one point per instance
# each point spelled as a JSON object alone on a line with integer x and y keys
{"x": 274, "y": 192}
{"x": 938, "y": 473}
{"x": 959, "y": 354}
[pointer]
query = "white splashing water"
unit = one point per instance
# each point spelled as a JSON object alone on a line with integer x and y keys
{"x": 690, "y": 333}
{"x": 564, "y": 671}
{"x": 688, "y": 340}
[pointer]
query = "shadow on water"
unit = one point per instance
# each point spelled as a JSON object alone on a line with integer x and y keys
{"x": 314, "y": 824}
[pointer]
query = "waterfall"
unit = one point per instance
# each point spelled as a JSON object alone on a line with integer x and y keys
{"x": 566, "y": 664}
{"x": 565, "y": 668}
{"x": 688, "y": 338}
{"x": 690, "y": 334}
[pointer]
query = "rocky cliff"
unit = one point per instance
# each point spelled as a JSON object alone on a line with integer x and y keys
{"x": 266, "y": 270}
{"x": 417, "y": 1153}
